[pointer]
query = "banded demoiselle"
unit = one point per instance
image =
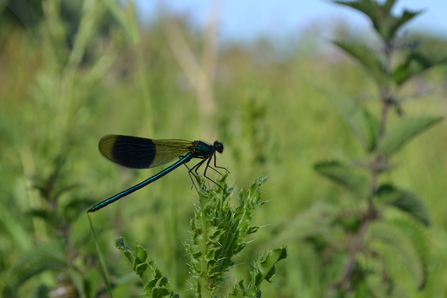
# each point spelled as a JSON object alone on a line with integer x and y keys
{"x": 142, "y": 153}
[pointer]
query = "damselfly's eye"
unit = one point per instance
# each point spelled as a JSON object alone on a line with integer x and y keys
{"x": 218, "y": 146}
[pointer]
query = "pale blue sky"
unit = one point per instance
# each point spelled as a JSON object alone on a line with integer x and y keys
{"x": 245, "y": 19}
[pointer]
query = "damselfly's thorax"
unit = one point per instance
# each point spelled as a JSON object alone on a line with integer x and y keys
{"x": 202, "y": 150}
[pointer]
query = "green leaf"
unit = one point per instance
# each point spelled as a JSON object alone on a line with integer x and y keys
{"x": 388, "y": 5}
{"x": 315, "y": 221}
{"x": 345, "y": 176}
{"x": 264, "y": 268}
{"x": 401, "y": 244}
{"x": 391, "y": 24}
{"x": 418, "y": 235}
{"x": 416, "y": 63}
{"x": 75, "y": 208}
{"x": 155, "y": 284}
{"x": 44, "y": 214}
{"x": 238, "y": 290}
{"x": 362, "y": 123}
{"x": 127, "y": 251}
{"x": 141, "y": 254}
{"x": 366, "y": 127}
{"x": 403, "y": 131}
{"x": 36, "y": 261}
{"x": 368, "y": 59}
{"x": 14, "y": 229}
{"x": 404, "y": 200}
{"x": 380, "y": 15}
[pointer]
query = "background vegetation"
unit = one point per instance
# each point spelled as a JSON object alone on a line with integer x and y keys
{"x": 81, "y": 70}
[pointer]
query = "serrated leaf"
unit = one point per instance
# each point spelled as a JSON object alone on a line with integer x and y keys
{"x": 119, "y": 243}
{"x": 420, "y": 241}
{"x": 345, "y": 176}
{"x": 75, "y": 208}
{"x": 399, "y": 242}
{"x": 368, "y": 59}
{"x": 265, "y": 266}
{"x": 362, "y": 123}
{"x": 44, "y": 214}
{"x": 238, "y": 290}
{"x": 141, "y": 253}
{"x": 367, "y": 128}
{"x": 403, "y": 131}
{"x": 391, "y": 24}
{"x": 404, "y": 200}
{"x": 416, "y": 63}
{"x": 369, "y": 8}
{"x": 380, "y": 15}
{"x": 155, "y": 284}
{"x": 36, "y": 261}
{"x": 388, "y": 5}
{"x": 315, "y": 221}
{"x": 160, "y": 293}
{"x": 15, "y": 229}
{"x": 142, "y": 270}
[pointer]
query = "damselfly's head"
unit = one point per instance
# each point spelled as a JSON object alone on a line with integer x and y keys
{"x": 218, "y": 146}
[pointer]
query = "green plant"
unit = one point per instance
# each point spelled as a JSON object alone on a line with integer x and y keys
{"x": 368, "y": 239}
{"x": 54, "y": 253}
{"x": 219, "y": 233}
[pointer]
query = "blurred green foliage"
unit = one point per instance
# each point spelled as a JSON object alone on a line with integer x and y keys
{"x": 59, "y": 97}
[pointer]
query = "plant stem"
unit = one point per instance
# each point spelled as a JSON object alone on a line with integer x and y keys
{"x": 357, "y": 243}
{"x": 377, "y": 167}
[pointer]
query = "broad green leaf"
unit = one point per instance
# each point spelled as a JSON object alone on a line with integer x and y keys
{"x": 345, "y": 176}
{"x": 368, "y": 59}
{"x": 362, "y": 123}
{"x": 380, "y": 15}
{"x": 38, "y": 260}
{"x": 368, "y": 7}
{"x": 399, "y": 242}
{"x": 391, "y": 24}
{"x": 416, "y": 63}
{"x": 418, "y": 235}
{"x": 315, "y": 221}
{"x": 404, "y": 200}
{"x": 76, "y": 207}
{"x": 366, "y": 126}
{"x": 403, "y": 131}
{"x": 44, "y": 214}
{"x": 388, "y": 5}
{"x": 14, "y": 230}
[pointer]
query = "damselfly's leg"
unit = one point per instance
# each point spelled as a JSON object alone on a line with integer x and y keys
{"x": 206, "y": 168}
{"x": 216, "y": 166}
{"x": 193, "y": 171}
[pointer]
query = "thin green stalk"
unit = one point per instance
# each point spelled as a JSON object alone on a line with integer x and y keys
{"x": 102, "y": 263}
